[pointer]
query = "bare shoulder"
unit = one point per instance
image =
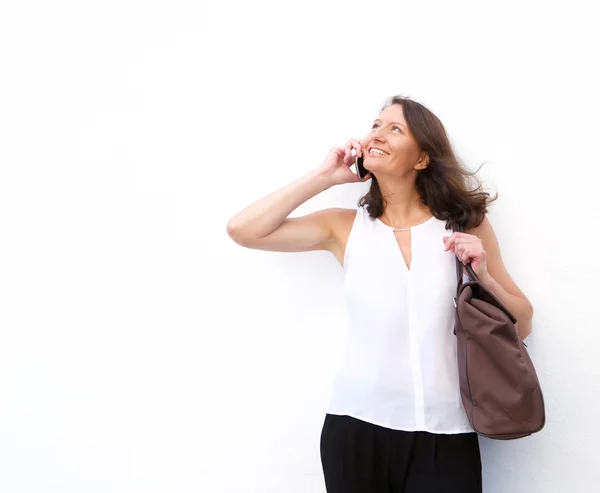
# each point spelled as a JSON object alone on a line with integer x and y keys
{"x": 338, "y": 221}
{"x": 343, "y": 218}
{"x": 495, "y": 264}
{"x": 325, "y": 229}
{"x": 341, "y": 225}
{"x": 483, "y": 231}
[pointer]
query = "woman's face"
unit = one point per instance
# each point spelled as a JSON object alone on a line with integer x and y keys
{"x": 390, "y": 148}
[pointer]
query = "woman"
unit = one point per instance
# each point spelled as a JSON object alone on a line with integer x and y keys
{"x": 395, "y": 422}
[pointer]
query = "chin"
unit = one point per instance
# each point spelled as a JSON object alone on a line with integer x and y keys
{"x": 372, "y": 164}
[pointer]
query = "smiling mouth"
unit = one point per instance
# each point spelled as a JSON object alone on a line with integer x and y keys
{"x": 377, "y": 152}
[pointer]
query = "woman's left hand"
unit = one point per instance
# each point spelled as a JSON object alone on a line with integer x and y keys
{"x": 468, "y": 248}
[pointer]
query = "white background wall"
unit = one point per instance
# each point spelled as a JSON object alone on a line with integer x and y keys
{"x": 141, "y": 349}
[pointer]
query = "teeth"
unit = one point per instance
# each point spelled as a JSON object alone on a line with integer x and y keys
{"x": 377, "y": 151}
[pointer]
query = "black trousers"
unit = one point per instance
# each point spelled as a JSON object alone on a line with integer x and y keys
{"x": 360, "y": 457}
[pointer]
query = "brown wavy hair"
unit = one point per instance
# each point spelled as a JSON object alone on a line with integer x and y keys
{"x": 445, "y": 186}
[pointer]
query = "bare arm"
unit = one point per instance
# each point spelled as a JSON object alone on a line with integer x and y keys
{"x": 500, "y": 283}
{"x": 265, "y": 224}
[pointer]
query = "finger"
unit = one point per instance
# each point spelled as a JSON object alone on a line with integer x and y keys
{"x": 449, "y": 241}
{"x": 466, "y": 258}
{"x": 339, "y": 151}
{"x": 356, "y": 145}
{"x": 349, "y": 145}
{"x": 459, "y": 253}
{"x": 465, "y": 255}
{"x": 466, "y": 240}
{"x": 353, "y": 145}
{"x": 459, "y": 241}
{"x": 348, "y": 157}
{"x": 473, "y": 244}
{"x": 445, "y": 242}
{"x": 359, "y": 147}
{"x": 346, "y": 149}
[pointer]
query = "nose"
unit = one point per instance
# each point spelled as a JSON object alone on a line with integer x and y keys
{"x": 377, "y": 135}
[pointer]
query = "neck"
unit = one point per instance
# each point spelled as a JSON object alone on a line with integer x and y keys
{"x": 403, "y": 203}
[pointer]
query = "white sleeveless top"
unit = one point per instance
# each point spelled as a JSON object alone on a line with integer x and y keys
{"x": 399, "y": 368}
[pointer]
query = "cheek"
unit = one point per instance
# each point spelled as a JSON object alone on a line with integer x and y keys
{"x": 405, "y": 151}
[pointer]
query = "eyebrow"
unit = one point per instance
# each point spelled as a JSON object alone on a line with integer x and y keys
{"x": 378, "y": 120}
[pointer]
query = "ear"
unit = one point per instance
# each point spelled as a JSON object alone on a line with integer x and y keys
{"x": 423, "y": 161}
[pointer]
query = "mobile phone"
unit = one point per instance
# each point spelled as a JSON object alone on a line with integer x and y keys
{"x": 361, "y": 171}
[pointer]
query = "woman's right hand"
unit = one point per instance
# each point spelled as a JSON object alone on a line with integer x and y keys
{"x": 336, "y": 165}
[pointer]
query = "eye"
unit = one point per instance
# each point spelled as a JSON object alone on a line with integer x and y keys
{"x": 395, "y": 127}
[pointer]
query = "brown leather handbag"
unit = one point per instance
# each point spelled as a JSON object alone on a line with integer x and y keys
{"x": 499, "y": 386}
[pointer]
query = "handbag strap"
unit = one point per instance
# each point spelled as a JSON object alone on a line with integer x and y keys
{"x": 459, "y": 265}
{"x": 470, "y": 272}
{"x": 474, "y": 278}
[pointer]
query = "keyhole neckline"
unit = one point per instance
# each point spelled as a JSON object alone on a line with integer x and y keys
{"x": 405, "y": 229}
